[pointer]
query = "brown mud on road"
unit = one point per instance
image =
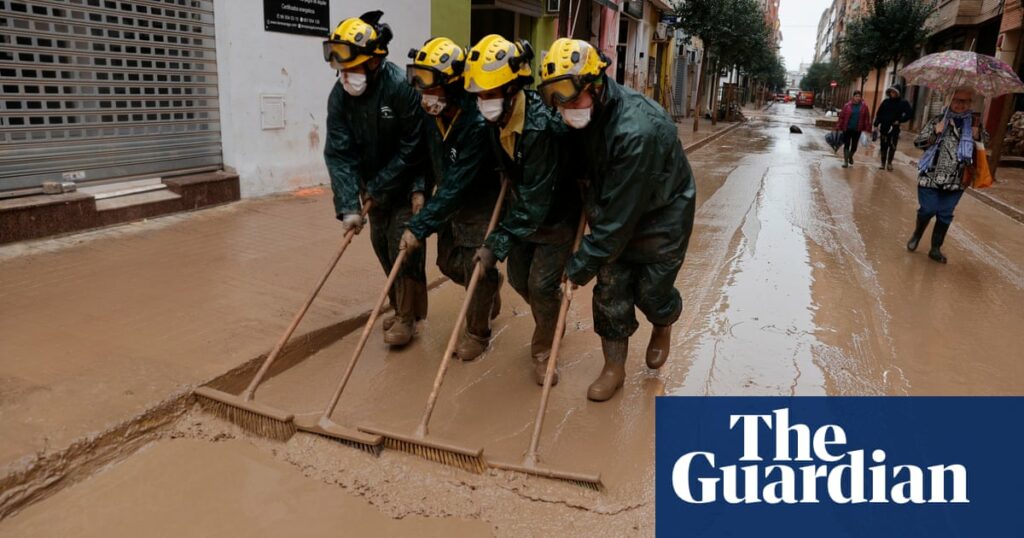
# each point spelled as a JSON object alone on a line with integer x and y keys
{"x": 194, "y": 488}
{"x": 796, "y": 282}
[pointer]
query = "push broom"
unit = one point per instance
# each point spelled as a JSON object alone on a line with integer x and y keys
{"x": 242, "y": 409}
{"x": 531, "y": 463}
{"x": 323, "y": 425}
{"x": 421, "y": 443}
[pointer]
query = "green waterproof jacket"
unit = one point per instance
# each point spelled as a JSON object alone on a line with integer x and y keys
{"x": 463, "y": 167}
{"x": 373, "y": 142}
{"x": 544, "y": 201}
{"x": 639, "y": 192}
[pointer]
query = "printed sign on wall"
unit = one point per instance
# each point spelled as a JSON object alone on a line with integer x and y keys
{"x": 305, "y": 17}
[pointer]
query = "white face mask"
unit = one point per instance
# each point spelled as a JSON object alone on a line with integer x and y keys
{"x": 577, "y": 118}
{"x": 433, "y": 104}
{"x": 354, "y": 83}
{"x": 491, "y": 109}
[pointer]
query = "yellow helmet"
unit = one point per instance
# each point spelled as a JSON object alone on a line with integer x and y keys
{"x": 356, "y": 40}
{"x": 567, "y": 68}
{"x": 439, "y": 62}
{"x": 495, "y": 61}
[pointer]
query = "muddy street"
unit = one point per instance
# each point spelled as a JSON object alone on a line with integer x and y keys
{"x": 796, "y": 282}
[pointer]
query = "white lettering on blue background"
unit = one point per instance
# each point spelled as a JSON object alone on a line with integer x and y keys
{"x": 832, "y": 473}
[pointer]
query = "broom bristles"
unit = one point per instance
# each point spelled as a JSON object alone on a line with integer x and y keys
{"x": 250, "y": 421}
{"x": 374, "y": 450}
{"x": 473, "y": 464}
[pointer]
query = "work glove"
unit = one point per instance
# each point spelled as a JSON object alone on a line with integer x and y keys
{"x": 485, "y": 257}
{"x": 409, "y": 241}
{"x": 352, "y": 221}
{"x": 417, "y": 202}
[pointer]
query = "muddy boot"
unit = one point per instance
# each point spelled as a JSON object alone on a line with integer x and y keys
{"x": 938, "y": 237}
{"x": 388, "y": 322}
{"x": 540, "y": 369}
{"x": 614, "y": 373}
{"x": 846, "y": 158}
{"x": 882, "y": 166}
{"x": 545, "y": 319}
{"x": 402, "y": 330}
{"x": 922, "y": 224}
{"x": 658, "y": 347}
{"x": 471, "y": 347}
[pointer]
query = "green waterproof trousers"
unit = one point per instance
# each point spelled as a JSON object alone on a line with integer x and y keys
{"x": 622, "y": 287}
{"x": 408, "y": 296}
{"x": 535, "y": 272}
{"x": 457, "y": 243}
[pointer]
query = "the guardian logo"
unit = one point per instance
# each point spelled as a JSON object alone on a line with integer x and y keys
{"x": 810, "y": 466}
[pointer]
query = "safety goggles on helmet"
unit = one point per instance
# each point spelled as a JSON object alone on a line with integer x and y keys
{"x": 341, "y": 52}
{"x": 561, "y": 90}
{"x": 423, "y": 77}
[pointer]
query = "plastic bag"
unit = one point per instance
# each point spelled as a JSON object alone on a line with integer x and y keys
{"x": 834, "y": 139}
{"x": 866, "y": 144}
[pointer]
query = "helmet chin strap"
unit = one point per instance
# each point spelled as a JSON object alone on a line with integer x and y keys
{"x": 510, "y": 95}
{"x": 599, "y": 94}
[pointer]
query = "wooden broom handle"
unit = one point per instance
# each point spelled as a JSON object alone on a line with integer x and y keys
{"x": 250, "y": 391}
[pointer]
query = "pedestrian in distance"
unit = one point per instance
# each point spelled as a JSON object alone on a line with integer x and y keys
{"x": 893, "y": 111}
{"x": 468, "y": 184}
{"x": 949, "y": 143}
{"x": 854, "y": 119}
{"x": 537, "y": 230}
{"x": 639, "y": 199}
{"x": 373, "y": 154}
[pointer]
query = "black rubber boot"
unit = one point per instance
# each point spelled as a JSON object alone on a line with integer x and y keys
{"x": 938, "y": 237}
{"x": 846, "y": 158}
{"x": 922, "y": 224}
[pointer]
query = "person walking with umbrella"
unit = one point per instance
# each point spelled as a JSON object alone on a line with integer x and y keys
{"x": 854, "y": 119}
{"x": 948, "y": 141}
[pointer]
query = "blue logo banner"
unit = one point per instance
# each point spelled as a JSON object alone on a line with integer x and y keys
{"x": 840, "y": 466}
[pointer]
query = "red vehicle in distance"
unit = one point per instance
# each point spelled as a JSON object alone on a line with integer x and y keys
{"x": 805, "y": 99}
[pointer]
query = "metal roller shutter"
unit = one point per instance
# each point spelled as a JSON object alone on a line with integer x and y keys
{"x": 101, "y": 89}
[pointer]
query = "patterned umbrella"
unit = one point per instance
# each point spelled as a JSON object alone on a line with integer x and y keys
{"x": 952, "y": 69}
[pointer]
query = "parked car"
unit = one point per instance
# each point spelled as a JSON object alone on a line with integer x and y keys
{"x": 805, "y": 99}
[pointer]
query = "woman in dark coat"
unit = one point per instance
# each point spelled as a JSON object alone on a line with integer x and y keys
{"x": 948, "y": 141}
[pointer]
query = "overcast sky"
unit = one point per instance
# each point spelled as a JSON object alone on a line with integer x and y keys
{"x": 799, "y": 19}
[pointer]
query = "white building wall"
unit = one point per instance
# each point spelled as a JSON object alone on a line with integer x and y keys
{"x": 252, "y": 62}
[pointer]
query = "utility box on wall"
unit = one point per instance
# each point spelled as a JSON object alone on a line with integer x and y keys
{"x": 271, "y": 111}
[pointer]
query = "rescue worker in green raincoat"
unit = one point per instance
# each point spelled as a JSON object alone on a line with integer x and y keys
{"x": 373, "y": 152}
{"x": 639, "y": 204}
{"x": 468, "y": 184}
{"x": 536, "y": 232}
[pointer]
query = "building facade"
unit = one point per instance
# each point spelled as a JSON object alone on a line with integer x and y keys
{"x": 133, "y": 101}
